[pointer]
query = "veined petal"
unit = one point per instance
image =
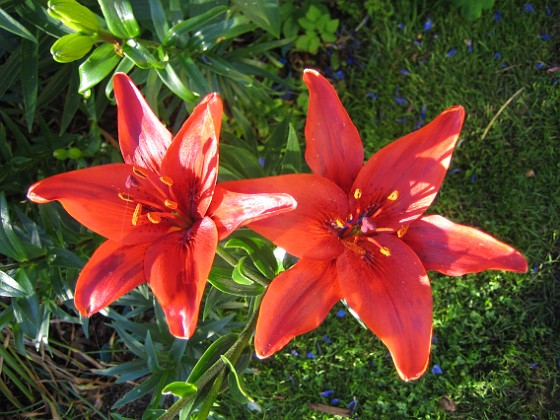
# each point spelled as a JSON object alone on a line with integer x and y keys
{"x": 91, "y": 196}
{"x": 192, "y": 159}
{"x": 177, "y": 267}
{"x": 409, "y": 171}
{"x": 454, "y": 249}
{"x": 230, "y": 210}
{"x": 142, "y": 137}
{"x": 112, "y": 271}
{"x": 297, "y": 301}
{"x": 334, "y": 147}
{"x": 389, "y": 289}
{"x": 307, "y": 231}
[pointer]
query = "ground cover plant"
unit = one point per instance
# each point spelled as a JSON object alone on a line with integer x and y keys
{"x": 495, "y": 350}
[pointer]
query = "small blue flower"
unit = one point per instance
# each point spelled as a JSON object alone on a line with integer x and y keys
{"x": 335, "y": 401}
{"x": 473, "y": 177}
{"x": 535, "y": 268}
{"x": 327, "y": 339}
{"x": 352, "y": 404}
{"x": 497, "y": 55}
{"x": 327, "y": 393}
{"x": 455, "y": 171}
{"x": 469, "y": 45}
{"x": 373, "y": 95}
{"x": 436, "y": 370}
{"x": 539, "y": 66}
{"x": 434, "y": 339}
{"x": 401, "y": 101}
{"x": 533, "y": 365}
{"x": 261, "y": 162}
{"x": 451, "y": 52}
{"x": 341, "y": 313}
{"x": 401, "y": 26}
{"x": 428, "y": 25}
{"x": 548, "y": 11}
{"x": 404, "y": 72}
{"x": 423, "y": 112}
{"x": 419, "y": 125}
{"x": 282, "y": 60}
{"x": 339, "y": 74}
{"x": 497, "y": 17}
{"x": 545, "y": 37}
{"x": 294, "y": 353}
{"x": 310, "y": 355}
{"x": 417, "y": 42}
{"x": 528, "y": 7}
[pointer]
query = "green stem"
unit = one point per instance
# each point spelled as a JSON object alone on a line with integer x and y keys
{"x": 254, "y": 275}
{"x": 219, "y": 366}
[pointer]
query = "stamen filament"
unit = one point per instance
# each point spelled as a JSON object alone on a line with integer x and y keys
{"x": 126, "y": 197}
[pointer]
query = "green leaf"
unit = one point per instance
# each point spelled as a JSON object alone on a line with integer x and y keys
{"x": 238, "y": 274}
{"x": 10, "y": 288}
{"x": 236, "y": 384}
{"x": 291, "y": 162}
{"x": 97, "y": 67}
{"x": 71, "y": 47}
{"x": 260, "y": 252}
{"x": 179, "y": 389}
{"x": 240, "y": 162}
{"x": 140, "y": 55}
{"x": 120, "y": 18}
{"x": 264, "y": 13}
{"x": 211, "y": 356}
{"x": 313, "y": 13}
{"x": 71, "y": 102}
{"x": 11, "y": 25}
{"x": 183, "y": 28}
{"x": 169, "y": 76}
{"x": 30, "y": 79}
{"x": 159, "y": 19}
{"x": 10, "y": 244}
{"x": 221, "y": 279}
{"x": 10, "y": 70}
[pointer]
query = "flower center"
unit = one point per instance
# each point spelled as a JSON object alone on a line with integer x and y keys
{"x": 154, "y": 199}
{"x": 362, "y": 224}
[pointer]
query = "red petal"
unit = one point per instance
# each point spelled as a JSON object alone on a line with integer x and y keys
{"x": 305, "y": 232}
{"x": 392, "y": 295}
{"x": 413, "y": 166}
{"x": 143, "y": 138}
{"x": 334, "y": 147}
{"x": 454, "y": 249}
{"x": 91, "y": 196}
{"x": 112, "y": 271}
{"x": 177, "y": 268}
{"x": 192, "y": 159}
{"x": 230, "y": 210}
{"x": 297, "y": 301}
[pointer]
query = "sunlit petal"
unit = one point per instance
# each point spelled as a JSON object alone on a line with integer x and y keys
{"x": 454, "y": 249}
{"x": 297, "y": 301}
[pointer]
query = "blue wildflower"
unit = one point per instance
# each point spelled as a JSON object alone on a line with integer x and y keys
{"x": 535, "y": 268}
{"x": 310, "y": 355}
{"x": 497, "y": 55}
{"x": 533, "y": 365}
{"x": 545, "y": 37}
{"x": 497, "y": 17}
{"x": 434, "y": 339}
{"x": 373, "y": 95}
{"x": 417, "y": 42}
{"x": 436, "y": 370}
{"x": 352, "y": 404}
{"x": 327, "y": 339}
{"x": 539, "y": 66}
{"x": 428, "y": 25}
{"x": 401, "y": 26}
{"x": 473, "y": 177}
{"x": 401, "y": 101}
{"x": 423, "y": 112}
{"x": 282, "y": 60}
{"x": 339, "y": 74}
{"x": 341, "y": 313}
{"x": 404, "y": 72}
{"x": 335, "y": 401}
{"x": 327, "y": 393}
{"x": 455, "y": 171}
{"x": 469, "y": 45}
{"x": 451, "y": 52}
{"x": 294, "y": 353}
{"x": 261, "y": 162}
{"x": 528, "y": 7}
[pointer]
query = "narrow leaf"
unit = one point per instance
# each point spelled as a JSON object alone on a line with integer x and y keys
{"x": 30, "y": 79}
{"x": 180, "y": 389}
{"x": 264, "y": 13}
{"x": 120, "y": 18}
{"x": 97, "y": 67}
{"x": 11, "y": 25}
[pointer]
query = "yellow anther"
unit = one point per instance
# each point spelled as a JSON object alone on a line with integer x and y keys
{"x": 401, "y": 232}
{"x": 166, "y": 180}
{"x": 393, "y": 196}
{"x": 139, "y": 172}
{"x": 126, "y": 197}
{"x": 154, "y": 218}
{"x": 339, "y": 223}
{"x": 170, "y": 204}
{"x": 357, "y": 193}
{"x": 136, "y": 214}
{"x": 385, "y": 251}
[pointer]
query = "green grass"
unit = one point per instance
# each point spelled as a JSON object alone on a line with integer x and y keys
{"x": 498, "y": 341}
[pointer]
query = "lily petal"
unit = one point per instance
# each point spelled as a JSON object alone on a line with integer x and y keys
{"x": 454, "y": 249}
{"x": 230, "y": 210}
{"x": 297, "y": 301}
{"x": 112, "y": 271}
{"x": 334, "y": 147}
{"x": 409, "y": 171}
{"x": 142, "y": 137}
{"x": 192, "y": 159}
{"x": 177, "y": 268}
{"x": 91, "y": 196}
{"x": 391, "y": 293}
{"x": 307, "y": 231}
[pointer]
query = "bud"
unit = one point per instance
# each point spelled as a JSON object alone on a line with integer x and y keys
{"x": 74, "y": 15}
{"x": 71, "y": 47}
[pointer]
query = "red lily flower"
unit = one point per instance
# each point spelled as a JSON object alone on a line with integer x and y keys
{"x": 161, "y": 210}
{"x": 361, "y": 234}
